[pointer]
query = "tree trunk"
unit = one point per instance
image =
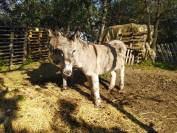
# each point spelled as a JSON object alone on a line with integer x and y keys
{"x": 154, "y": 43}
{"x": 103, "y": 21}
{"x": 156, "y": 26}
{"x": 151, "y": 42}
{"x": 147, "y": 6}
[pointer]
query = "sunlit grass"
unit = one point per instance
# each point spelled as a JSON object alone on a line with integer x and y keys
{"x": 153, "y": 66}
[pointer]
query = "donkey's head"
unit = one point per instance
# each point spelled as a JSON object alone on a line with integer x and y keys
{"x": 56, "y": 55}
{"x": 66, "y": 51}
{"x": 71, "y": 53}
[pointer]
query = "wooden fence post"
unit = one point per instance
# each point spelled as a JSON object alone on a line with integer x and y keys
{"x": 25, "y": 46}
{"x": 11, "y": 49}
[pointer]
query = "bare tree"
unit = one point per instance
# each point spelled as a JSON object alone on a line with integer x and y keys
{"x": 105, "y": 7}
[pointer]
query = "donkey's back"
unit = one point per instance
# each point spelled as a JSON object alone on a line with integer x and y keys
{"x": 110, "y": 56}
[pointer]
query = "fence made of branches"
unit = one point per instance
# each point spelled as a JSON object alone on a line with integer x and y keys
{"x": 167, "y": 52}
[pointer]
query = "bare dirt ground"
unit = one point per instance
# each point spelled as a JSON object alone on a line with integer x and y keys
{"x": 31, "y": 100}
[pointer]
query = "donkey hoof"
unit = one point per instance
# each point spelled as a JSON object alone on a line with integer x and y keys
{"x": 109, "y": 91}
{"x": 64, "y": 88}
{"x": 121, "y": 86}
{"x": 97, "y": 103}
{"x": 121, "y": 91}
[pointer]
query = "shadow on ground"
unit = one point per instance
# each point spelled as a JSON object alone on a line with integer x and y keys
{"x": 68, "y": 108}
{"x": 49, "y": 73}
{"x": 46, "y": 73}
{"x": 8, "y": 108}
{"x": 120, "y": 107}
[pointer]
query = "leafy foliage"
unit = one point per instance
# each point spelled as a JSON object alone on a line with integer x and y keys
{"x": 90, "y": 15}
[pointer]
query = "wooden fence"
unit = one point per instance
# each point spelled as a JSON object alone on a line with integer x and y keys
{"x": 37, "y": 43}
{"x": 12, "y": 45}
{"x": 18, "y": 44}
{"x": 135, "y": 47}
{"x": 167, "y": 52}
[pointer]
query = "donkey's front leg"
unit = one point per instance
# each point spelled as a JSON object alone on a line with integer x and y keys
{"x": 64, "y": 83}
{"x": 96, "y": 93}
{"x": 89, "y": 79}
{"x": 113, "y": 81}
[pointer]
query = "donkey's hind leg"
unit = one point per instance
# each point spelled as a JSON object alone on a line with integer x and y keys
{"x": 89, "y": 79}
{"x": 113, "y": 81}
{"x": 96, "y": 89}
{"x": 122, "y": 73}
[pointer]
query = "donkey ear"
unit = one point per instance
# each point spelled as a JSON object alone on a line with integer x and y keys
{"x": 50, "y": 33}
{"x": 75, "y": 36}
{"x": 59, "y": 34}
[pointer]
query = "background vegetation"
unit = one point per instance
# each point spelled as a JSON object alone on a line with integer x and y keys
{"x": 92, "y": 16}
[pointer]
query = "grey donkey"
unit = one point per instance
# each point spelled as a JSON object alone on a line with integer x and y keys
{"x": 93, "y": 60}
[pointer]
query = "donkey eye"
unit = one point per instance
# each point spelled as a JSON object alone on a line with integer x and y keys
{"x": 62, "y": 54}
{"x": 73, "y": 51}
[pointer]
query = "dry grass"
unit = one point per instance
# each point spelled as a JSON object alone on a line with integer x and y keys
{"x": 34, "y": 103}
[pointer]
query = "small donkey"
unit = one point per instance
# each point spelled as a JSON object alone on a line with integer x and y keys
{"x": 93, "y": 60}
{"x": 56, "y": 55}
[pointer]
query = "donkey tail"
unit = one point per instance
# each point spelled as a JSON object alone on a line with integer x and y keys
{"x": 120, "y": 47}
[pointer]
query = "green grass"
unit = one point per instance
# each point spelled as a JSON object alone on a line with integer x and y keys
{"x": 20, "y": 98}
{"x": 4, "y": 67}
{"x": 26, "y": 62}
{"x": 105, "y": 75}
{"x": 150, "y": 65}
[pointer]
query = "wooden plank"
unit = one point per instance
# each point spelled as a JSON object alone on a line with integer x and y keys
{"x": 18, "y": 52}
{"x": 4, "y": 54}
{"x": 3, "y": 43}
{"x": 34, "y": 46}
{"x": 19, "y": 42}
{"x": 127, "y": 56}
{"x": 11, "y": 49}
{"x": 130, "y": 57}
{"x": 17, "y": 56}
{"x": 25, "y": 47}
{"x": 133, "y": 59}
{"x": 18, "y": 49}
